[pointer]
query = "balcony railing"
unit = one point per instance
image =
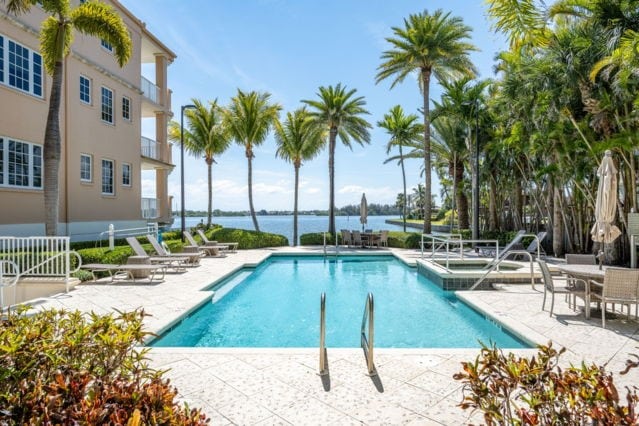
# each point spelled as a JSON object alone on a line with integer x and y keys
{"x": 150, "y": 208}
{"x": 150, "y": 90}
{"x": 150, "y": 148}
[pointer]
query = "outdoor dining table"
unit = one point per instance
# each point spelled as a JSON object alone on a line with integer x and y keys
{"x": 370, "y": 237}
{"x": 586, "y": 273}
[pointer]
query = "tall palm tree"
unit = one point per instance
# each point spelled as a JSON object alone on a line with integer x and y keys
{"x": 204, "y": 135}
{"x": 298, "y": 139}
{"x": 433, "y": 45}
{"x": 340, "y": 114}
{"x": 93, "y": 18}
{"x": 249, "y": 119}
{"x": 402, "y": 129}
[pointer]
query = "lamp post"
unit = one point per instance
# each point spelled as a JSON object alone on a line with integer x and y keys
{"x": 183, "y": 225}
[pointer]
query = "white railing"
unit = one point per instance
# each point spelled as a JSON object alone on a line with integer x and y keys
{"x": 40, "y": 256}
{"x": 9, "y": 276}
{"x": 112, "y": 233}
{"x": 150, "y": 90}
{"x": 150, "y": 148}
{"x": 150, "y": 208}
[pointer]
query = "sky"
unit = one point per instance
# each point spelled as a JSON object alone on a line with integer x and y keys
{"x": 290, "y": 48}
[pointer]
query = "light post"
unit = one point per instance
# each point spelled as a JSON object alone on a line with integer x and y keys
{"x": 183, "y": 225}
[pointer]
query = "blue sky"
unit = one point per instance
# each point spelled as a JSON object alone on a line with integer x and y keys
{"x": 290, "y": 48}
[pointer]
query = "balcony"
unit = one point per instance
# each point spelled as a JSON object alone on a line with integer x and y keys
{"x": 150, "y": 208}
{"x": 150, "y": 90}
{"x": 150, "y": 149}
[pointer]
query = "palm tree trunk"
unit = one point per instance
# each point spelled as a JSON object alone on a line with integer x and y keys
{"x": 209, "y": 164}
{"x": 331, "y": 172}
{"x": 51, "y": 152}
{"x": 297, "y": 180}
{"x": 249, "y": 155}
{"x": 492, "y": 203}
{"x": 401, "y": 159}
{"x": 427, "y": 172}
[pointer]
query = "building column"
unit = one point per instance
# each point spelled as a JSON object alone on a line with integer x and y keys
{"x": 162, "y": 191}
{"x": 161, "y": 65}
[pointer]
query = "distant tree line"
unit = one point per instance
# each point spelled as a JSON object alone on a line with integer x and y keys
{"x": 350, "y": 210}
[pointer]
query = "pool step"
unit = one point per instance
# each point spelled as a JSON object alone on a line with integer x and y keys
{"x": 229, "y": 285}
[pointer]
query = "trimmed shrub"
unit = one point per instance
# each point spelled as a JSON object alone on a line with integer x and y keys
{"x": 317, "y": 239}
{"x": 247, "y": 239}
{"x": 400, "y": 239}
{"x": 60, "y": 367}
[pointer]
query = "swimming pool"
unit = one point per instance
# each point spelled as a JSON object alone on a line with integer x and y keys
{"x": 277, "y": 305}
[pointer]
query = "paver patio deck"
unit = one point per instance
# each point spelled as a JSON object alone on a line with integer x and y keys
{"x": 281, "y": 386}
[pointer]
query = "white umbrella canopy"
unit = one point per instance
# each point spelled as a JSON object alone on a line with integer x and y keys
{"x": 363, "y": 211}
{"x": 606, "y": 206}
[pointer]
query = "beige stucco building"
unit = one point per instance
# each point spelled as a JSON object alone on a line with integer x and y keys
{"x": 102, "y": 113}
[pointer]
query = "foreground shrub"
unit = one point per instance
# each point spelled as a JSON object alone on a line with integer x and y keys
{"x": 521, "y": 391}
{"x": 399, "y": 239}
{"x": 317, "y": 239}
{"x": 247, "y": 239}
{"x": 59, "y": 367}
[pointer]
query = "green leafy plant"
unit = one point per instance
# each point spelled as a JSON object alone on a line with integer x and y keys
{"x": 60, "y": 367}
{"x": 512, "y": 390}
{"x": 247, "y": 239}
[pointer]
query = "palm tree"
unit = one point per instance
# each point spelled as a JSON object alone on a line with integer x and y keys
{"x": 298, "y": 139}
{"x": 206, "y": 136}
{"x": 403, "y": 129}
{"x": 249, "y": 119}
{"x": 56, "y": 35}
{"x": 433, "y": 45}
{"x": 339, "y": 113}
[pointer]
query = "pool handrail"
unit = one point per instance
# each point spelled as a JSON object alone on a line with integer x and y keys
{"x": 323, "y": 364}
{"x": 455, "y": 239}
{"x": 496, "y": 265}
{"x": 368, "y": 343}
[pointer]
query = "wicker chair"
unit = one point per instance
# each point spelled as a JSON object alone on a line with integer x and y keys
{"x": 347, "y": 240}
{"x": 357, "y": 239}
{"x": 620, "y": 286}
{"x": 561, "y": 285}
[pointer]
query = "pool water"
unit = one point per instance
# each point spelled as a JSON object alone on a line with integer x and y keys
{"x": 277, "y": 304}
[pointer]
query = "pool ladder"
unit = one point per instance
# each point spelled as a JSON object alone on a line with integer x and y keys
{"x": 325, "y": 246}
{"x": 367, "y": 342}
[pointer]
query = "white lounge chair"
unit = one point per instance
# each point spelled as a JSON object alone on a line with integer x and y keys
{"x": 231, "y": 247}
{"x": 193, "y": 257}
{"x": 211, "y": 251}
{"x": 175, "y": 262}
{"x": 490, "y": 251}
{"x": 129, "y": 271}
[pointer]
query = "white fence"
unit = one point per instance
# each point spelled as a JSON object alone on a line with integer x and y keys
{"x": 112, "y": 233}
{"x": 38, "y": 257}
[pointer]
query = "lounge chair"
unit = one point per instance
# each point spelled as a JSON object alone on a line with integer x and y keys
{"x": 129, "y": 271}
{"x": 193, "y": 257}
{"x": 490, "y": 251}
{"x": 561, "y": 285}
{"x": 621, "y": 286}
{"x": 532, "y": 247}
{"x": 231, "y": 247}
{"x": 347, "y": 239}
{"x": 211, "y": 251}
{"x": 175, "y": 262}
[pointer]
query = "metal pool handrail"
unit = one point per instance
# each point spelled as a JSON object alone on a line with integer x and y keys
{"x": 323, "y": 364}
{"x": 368, "y": 344}
{"x": 496, "y": 265}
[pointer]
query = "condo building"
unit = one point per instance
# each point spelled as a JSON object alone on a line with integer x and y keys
{"x": 113, "y": 125}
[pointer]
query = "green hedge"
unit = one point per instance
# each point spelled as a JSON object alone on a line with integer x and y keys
{"x": 395, "y": 239}
{"x": 317, "y": 239}
{"x": 247, "y": 239}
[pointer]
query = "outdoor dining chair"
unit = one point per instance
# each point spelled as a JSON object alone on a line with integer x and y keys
{"x": 560, "y": 285}
{"x": 347, "y": 239}
{"x": 621, "y": 286}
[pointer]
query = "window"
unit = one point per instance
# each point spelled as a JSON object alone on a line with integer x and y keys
{"x": 85, "y": 90}
{"x": 126, "y": 174}
{"x": 106, "y": 45}
{"x": 126, "y": 108}
{"x": 20, "y": 164}
{"x": 20, "y": 67}
{"x": 107, "y": 105}
{"x": 85, "y": 168}
{"x": 107, "y": 177}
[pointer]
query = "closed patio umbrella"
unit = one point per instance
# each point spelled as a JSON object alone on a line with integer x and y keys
{"x": 363, "y": 211}
{"x": 606, "y": 206}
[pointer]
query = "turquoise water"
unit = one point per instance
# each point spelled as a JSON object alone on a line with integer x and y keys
{"x": 277, "y": 304}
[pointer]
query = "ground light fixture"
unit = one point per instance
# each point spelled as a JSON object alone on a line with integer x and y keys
{"x": 183, "y": 224}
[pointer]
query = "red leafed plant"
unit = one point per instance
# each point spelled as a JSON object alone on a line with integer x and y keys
{"x": 60, "y": 367}
{"x": 512, "y": 390}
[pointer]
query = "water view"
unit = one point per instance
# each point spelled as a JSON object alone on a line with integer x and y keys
{"x": 283, "y": 225}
